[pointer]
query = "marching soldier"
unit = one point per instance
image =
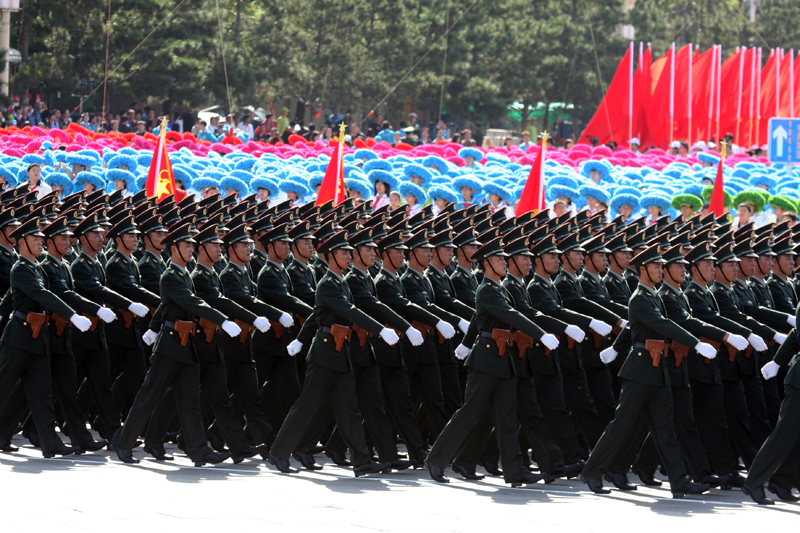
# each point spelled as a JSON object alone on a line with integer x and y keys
{"x": 778, "y": 459}
{"x": 174, "y": 362}
{"x": 587, "y": 295}
{"x": 124, "y": 336}
{"x": 91, "y": 352}
{"x": 275, "y": 366}
{"x": 491, "y": 380}
{"x": 213, "y": 373}
{"x": 243, "y": 378}
{"x": 446, "y": 299}
{"x": 422, "y": 361}
{"x": 62, "y": 360}
{"x": 536, "y": 428}
{"x": 741, "y": 399}
{"x": 689, "y": 438}
{"x": 758, "y": 283}
{"x": 330, "y": 377}
{"x": 646, "y": 393}
{"x": 24, "y": 350}
{"x": 545, "y": 297}
{"x": 706, "y": 379}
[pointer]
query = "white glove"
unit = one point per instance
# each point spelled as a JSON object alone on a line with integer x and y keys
{"x": 388, "y": 335}
{"x": 779, "y": 338}
{"x": 414, "y": 336}
{"x": 622, "y": 323}
{"x": 106, "y": 315}
{"x": 757, "y": 342}
{"x": 608, "y": 355}
{"x": 294, "y": 347}
{"x": 770, "y": 370}
{"x": 149, "y": 337}
{"x": 550, "y": 340}
{"x": 231, "y": 328}
{"x": 445, "y": 329}
{"x": 737, "y": 341}
{"x": 462, "y": 352}
{"x": 137, "y": 309}
{"x": 706, "y": 350}
{"x": 463, "y": 325}
{"x": 286, "y": 320}
{"x": 792, "y": 320}
{"x": 600, "y": 327}
{"x": 262, "y": 324}
{"x": 575, "y": 332}
{"x": 81, "y": 322}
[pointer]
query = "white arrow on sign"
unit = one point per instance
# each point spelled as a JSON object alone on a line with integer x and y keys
{"x": 780, "y": 135}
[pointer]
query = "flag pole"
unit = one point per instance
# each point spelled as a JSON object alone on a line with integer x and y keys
{"x": 689, "y": 99}
{"x": 630, "y": 99}
{"x": 544, "y": 135}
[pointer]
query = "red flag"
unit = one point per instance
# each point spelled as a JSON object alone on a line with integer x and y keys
{"x": 682, "y": 93}
{"x": 660, "y": 114}
{"x": 769, "y": 78}
{"x": 731, "y": 97}
{"x": 333, "y": 187}
{"x": 703, "y": 75}
{"x": 643, "y": 83}
{"x": 533, "y": 198}
{"x": 160, "y": 179}
{"x": 608, "y": 123}
{"x": 717, "y": 203}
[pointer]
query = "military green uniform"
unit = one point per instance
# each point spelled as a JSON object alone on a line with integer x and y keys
{"x": 446, "y": 299}
{"x": 173, "y": 365}
{"x": 645, "y": 395}
{"x": 690, "y": 441}
{"x": 213, "y": 373}
{"x": 779, "y": 458}
{"x": 124, "y": 338}
{"x": 546, "y": 298}
{"x": 330, "y": 377}
{"x": 708, "y": 394}
{"x": 90, "y": 348}
{"x": 27, "y": 359}
{"x": 275, "y": 367}
{"x": 243, "y": 376}
{"x": 491, "y": 379}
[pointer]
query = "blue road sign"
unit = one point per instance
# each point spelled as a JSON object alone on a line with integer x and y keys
{"x": 783, "y": 136}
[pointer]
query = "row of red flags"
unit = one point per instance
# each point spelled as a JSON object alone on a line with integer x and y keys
{"x": 688, "y": 96}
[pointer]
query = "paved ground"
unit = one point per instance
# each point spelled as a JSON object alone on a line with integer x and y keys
{"x": 95, "y": 492}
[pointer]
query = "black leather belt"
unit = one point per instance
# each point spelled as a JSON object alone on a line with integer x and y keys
{"x": 325, "y": 329}
{"x": 487, "y": 334}
{"x": 170, "y": 324}
{"x": 20, "y": 315}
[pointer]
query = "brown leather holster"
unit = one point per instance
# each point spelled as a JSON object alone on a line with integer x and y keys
{"x": 361, "y": 333}
{"x": 61, "y": 324}
{"x": 598, "y": 340}
{"x": 422, "y": 328}
{"x": 301, "y": 320}
{"x": 209, "y": 328}
{"x": 277, "y": 329}
{"x": 440, "y": 336}
{"x": 36, "y": 321}
{"x": 127, "y": 316}
{"x": 246, "y": 329}
{"x": 748, "y": 351}
{"x": 340, "y": 334}
{"x": 570, "y": 342}
{"x": 656, "y": 348}
{"x": 680, "y": 351}
{"x": 523, "y": 342}
{"x": 93, "y": 320}
{"x": 715, "y": 344}
{"x": 152, "y": 310}
{"x": 501, "y": 338}
{"x": 184, "y": 328}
